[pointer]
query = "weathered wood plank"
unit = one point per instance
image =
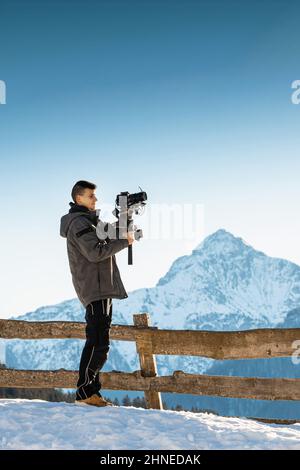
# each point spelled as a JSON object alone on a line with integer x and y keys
{"x": 179, "y": 382}
{"x": 247, "y": 344}
{"x": 147, "y": 361}
{"x": 10, "y": 329}
{"x": 231, "y": 387}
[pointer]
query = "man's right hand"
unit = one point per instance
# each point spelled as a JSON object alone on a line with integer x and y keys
{"x": 130, "y": 237}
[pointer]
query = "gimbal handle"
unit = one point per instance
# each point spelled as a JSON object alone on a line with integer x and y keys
{"x": 130, "y": 255}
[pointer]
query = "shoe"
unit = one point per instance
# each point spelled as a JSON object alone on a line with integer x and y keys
{"x": 94, "y": 400}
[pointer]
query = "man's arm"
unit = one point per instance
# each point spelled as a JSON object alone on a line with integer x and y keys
{"x": 89, "y": 244}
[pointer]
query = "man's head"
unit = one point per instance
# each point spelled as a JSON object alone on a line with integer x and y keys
{"x": 83, "y": 193}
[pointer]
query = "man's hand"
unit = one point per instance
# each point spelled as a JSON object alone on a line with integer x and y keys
{"x": 130, "y": 237}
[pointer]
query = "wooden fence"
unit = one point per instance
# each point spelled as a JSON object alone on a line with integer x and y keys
{"x": 248, "y": 344}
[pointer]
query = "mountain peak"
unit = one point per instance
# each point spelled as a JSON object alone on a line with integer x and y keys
{"x": 221, "y": 241}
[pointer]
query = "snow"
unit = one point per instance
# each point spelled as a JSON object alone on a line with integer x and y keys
{"x": 37, "y": 424}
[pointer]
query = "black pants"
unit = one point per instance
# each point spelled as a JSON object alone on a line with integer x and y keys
{"x": 94, "y": 355}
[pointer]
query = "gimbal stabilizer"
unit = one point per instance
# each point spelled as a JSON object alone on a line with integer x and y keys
{"x": 126, "y": 205}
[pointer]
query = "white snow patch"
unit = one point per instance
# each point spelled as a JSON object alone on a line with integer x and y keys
{"x": 37, "y": 424}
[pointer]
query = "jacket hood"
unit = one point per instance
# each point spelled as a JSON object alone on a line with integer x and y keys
{"x": 77, "y": 210}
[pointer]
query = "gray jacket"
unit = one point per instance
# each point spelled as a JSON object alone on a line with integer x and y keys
{"x": 95, "y": 274}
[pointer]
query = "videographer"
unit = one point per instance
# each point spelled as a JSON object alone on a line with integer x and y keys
{"x": 96, "y": 279}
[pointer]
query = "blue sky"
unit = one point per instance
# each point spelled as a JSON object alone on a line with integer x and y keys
{"x": 191, "y": 100}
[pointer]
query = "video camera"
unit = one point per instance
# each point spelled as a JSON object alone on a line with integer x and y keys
{"x": 126, "y": 205}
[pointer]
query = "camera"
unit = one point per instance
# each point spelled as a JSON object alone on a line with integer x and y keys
{"x": 126, "y": 205}
{"x": 135, "y": 199}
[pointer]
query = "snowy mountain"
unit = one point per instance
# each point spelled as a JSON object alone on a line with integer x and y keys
{"x": 224, "y": 284}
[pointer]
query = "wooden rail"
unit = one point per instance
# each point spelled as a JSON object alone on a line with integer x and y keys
{"x": 179, "y": 382}
{"x": 247, "y": 344}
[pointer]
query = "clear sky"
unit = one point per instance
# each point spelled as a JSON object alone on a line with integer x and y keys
{"x": 191, "y": 100}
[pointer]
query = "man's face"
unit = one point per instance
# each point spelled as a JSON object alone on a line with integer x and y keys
{"x": 87, "y": 199}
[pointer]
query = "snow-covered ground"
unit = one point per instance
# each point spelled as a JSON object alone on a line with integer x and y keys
{"x": 37, "y": 424}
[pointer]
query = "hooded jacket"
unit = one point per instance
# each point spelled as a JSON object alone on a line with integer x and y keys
{"x": 95, "y": 274}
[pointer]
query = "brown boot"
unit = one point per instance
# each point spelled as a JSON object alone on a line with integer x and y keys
{"x": 94, "y": 400}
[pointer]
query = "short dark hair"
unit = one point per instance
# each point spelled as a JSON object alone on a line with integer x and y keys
{"x": 79, "y": 188}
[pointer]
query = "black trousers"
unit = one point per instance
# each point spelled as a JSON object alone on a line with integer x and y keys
{"x": 95, "y": 352}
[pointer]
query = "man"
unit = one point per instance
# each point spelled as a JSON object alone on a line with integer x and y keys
{"x": 96, "y": 279}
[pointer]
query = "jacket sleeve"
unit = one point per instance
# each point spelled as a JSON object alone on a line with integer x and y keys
{"x": 89, "y": 244}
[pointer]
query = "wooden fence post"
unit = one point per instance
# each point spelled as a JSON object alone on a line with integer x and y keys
{"x": 147, "y": 361}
